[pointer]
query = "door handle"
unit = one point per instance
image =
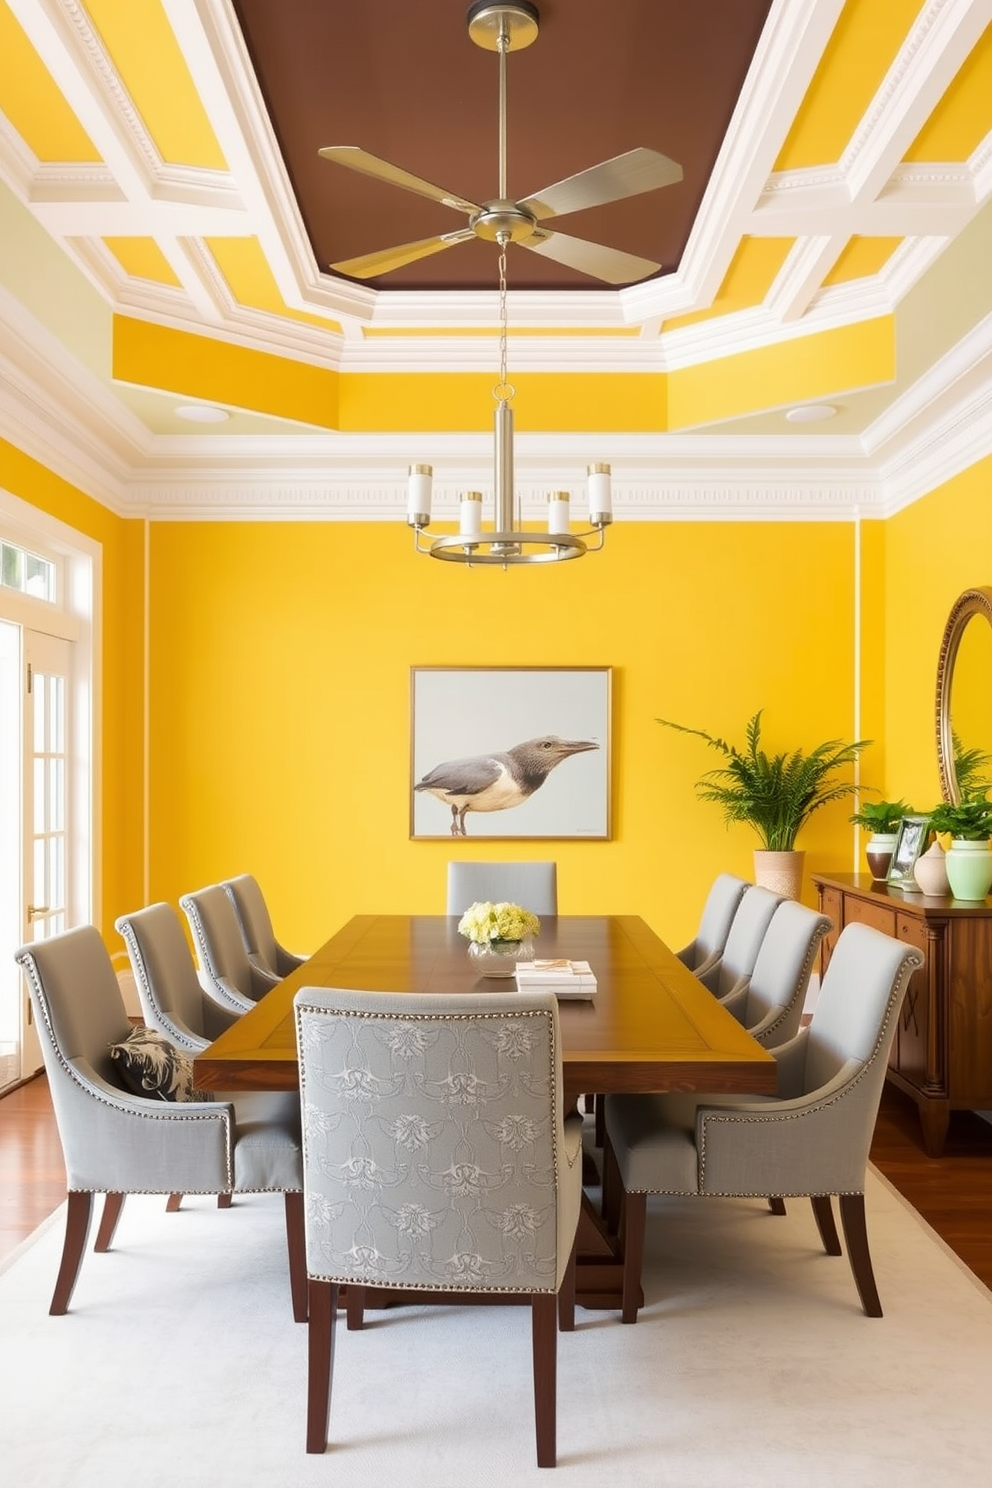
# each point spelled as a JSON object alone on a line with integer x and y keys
{"x": 35, "y": 911}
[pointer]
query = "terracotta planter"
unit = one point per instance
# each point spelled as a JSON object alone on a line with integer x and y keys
{"x": 782, "y": 872}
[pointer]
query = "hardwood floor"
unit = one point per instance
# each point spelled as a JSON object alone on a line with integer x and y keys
{"x": 953, "y": 1193}
{"x": 32, "y": 1173}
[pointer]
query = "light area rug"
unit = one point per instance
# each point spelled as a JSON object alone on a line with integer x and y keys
{"x": 752, "y": 1365}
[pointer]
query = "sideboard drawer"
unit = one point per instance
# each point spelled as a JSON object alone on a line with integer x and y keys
{"x": 863, "y": 912}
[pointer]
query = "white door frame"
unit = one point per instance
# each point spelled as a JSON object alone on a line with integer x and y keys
{"x": 78, "y": 618}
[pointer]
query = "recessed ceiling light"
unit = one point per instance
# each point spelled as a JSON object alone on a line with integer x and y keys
{"x": 811, "y": 413}
{"x": 202, "y": 413}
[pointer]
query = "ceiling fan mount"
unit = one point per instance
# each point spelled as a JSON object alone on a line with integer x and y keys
{"x": 503, "y": 28}
{"x": 519, "y": 23}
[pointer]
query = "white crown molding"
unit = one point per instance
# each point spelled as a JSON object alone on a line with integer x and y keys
{"x": 339, "y": 499}
{"x": 959, "y": 376}
{"x": 59, "y": 442}
{"x": 955, "y": 439}
{"x": 18, "y": 164}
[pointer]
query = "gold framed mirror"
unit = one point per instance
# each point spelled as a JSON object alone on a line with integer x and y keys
{"x": 964, "y": 696}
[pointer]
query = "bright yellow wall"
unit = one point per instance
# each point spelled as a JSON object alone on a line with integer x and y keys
{"x": 121, "y": 715}
{"x": 280, "y": 661}
{"x": 935, "y": 549}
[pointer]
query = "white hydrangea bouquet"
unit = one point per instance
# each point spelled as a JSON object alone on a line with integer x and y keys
{"x": 492, "y": 925}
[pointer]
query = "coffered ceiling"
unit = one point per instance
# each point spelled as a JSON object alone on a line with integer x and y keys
{"x": 167, "y": 231}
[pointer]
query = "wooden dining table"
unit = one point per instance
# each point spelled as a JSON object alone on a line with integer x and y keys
{"x": 650, "y": 1025}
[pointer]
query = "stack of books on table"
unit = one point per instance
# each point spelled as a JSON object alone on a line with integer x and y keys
{"x": 563, "y": 978}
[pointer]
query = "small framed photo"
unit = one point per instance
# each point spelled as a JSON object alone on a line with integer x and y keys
{"x": 910, "y": 842}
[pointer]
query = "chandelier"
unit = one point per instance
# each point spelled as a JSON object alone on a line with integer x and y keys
{"x": 508, "y": 541}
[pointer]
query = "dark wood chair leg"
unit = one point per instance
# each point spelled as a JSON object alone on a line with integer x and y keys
{"x": 224, "y": 1200}
{"x": 544, "y": 1336}
{"x": 112, "y": 1206}
{"x": 77, "y": 1228}
{"x": 823, "y": 1213}
{"x": 566, "y": 1292}
{"x": 852, "y": 1218}
{"x": 172, "y": 1203}
{"x": 635, "y": 1208}
{"x": 599, "y": 1109}
{"x": 612, "y": 1189}
{"x": 354, "y": 1306}
{"x": 323, "y": 1306}
{"x": 776, "y": 1204}
{"x": 296, "y": 1246}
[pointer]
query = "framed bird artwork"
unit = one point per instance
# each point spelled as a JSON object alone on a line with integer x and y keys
{"x": 510, "y": 752}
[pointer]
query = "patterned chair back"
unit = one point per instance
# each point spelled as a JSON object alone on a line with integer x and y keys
{"x": 433, "y": 1140}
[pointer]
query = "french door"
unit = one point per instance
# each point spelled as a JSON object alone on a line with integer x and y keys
{"x": 36, "y": 673}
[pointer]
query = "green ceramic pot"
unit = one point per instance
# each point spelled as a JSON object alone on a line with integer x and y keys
{"x": 969, "y": 869}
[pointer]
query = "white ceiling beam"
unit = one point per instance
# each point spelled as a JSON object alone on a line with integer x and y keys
{"x": 938, "y": 44}
{"x": 75, "y": 56}
{"x": 801, "y": 276}
{"x": 144, "y": 219}
{"x": 788, "y": 54}
{"x": 215, "y": 52}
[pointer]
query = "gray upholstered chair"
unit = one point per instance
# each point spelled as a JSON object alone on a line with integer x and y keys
{"x": 730, "y": 971}
{"x": 533, "y": 885}
{"x": 226, "y": 973}
{"x": 722, "y": 903}
{"x": 811, "y": 1140}
{"x": 770, "y": 1004}
{"x": 170, "y": 993}
{"x": 116, "y": 1143}
{"x": 264, "y": 951}
{"x": 437, "y": 1158}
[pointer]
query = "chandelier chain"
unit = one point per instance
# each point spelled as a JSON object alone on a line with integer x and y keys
{"x": 504, "y": 390}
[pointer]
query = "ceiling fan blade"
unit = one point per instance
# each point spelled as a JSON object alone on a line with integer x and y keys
{"x": 370, "y": 264}
{"x": 360, "y": 160}
{"x": 625, "y": 175}
{"x": 609, "y": 264}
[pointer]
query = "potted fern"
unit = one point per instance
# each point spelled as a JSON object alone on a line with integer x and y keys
{"x": 881, "y": 819}
{"x": 775, "y": 794}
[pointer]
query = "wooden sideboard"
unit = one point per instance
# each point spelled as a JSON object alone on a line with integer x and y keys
{"x": 942, "y": 1052}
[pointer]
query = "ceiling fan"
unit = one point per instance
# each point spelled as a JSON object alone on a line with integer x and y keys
{"x": 503, "y": 28}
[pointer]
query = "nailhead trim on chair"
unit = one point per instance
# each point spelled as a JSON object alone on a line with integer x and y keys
{"x": 126, "y": 931}
{"x": 753, "y": 1117}
{"x": 445, "y": 1018}
{"x": 239, "y": 1004}
{"x": 804, "y": 975}
{"x": 156, "y": 1113}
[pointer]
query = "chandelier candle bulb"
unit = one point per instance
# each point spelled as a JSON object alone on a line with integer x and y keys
{"x": 418, "y": 495}
{"x": 600, "y": 497}
{"x": 558, "y": 513}
{"x": 470, "y": 514}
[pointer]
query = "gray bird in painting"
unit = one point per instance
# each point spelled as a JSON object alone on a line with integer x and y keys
{"x": 492, "y": 782}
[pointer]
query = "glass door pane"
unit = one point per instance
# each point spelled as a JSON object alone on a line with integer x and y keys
{"x": 47, "y": 702}
{"x": 11, "y": 915}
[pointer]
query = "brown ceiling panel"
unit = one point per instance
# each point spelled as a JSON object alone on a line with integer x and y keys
{"x": 403, "y": 80}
